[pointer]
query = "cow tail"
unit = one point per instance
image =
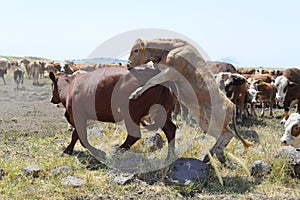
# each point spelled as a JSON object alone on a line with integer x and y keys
{"x": 246, "y": 143}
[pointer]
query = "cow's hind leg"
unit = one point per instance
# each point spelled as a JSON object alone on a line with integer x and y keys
{"x": 221, "y": 143}
{"x": 133, "y": 134}
{"x": 170, "y": 129}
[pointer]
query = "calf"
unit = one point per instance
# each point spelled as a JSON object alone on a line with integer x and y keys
{"x": 266, "y": 94}
{"x": 235, "y": 88}
{"x": 291, "y": 134}
{"x": 251, "y": 98}
{"x": 18, "y": 77}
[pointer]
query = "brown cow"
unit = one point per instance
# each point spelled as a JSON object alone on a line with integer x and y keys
{"x": 266, "y": 94}
{"x": 235, "y": 87}
{"x": 104, "y": 95}
{"x": 267, "y": 78}
{"x": 292, "y": 96}
{"x": 35, "y": 69}
{"x": 26, "y": 62}
{"x": 181, "y": 63}
{"x": 289, "y": 81}
{"x": 3, "y": 68}
{"x": 217, "y": 67}
{"x": 246, "y": 70}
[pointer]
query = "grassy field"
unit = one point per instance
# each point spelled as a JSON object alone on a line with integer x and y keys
{"x": 30, "y": 125}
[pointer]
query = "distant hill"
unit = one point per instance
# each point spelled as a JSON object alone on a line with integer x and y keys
{"x": 23, "y": 57}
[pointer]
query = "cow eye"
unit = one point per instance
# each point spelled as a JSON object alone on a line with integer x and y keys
{"x": 295, "y": 131}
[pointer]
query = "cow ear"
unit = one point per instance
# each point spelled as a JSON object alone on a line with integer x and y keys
{"x": 52, "y": 76}
{"x": 141, "y": 44}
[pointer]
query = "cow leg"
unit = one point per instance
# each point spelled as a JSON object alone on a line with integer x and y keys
{"x": 70, "y": 147}
{"x": 3, "y": 80}
{"x": 263, "y": 109}
{"x": 80, "y": 124}
{"x": 133, "y": 134}
{"x": 170, "y": 130}
{"x": 271, "y": 108}
{"x": 285, "y": 114}
{"x": 253, "y": 109}
{"x": 221, "y": 143}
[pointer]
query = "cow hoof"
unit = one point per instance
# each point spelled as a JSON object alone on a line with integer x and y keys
{"x": 67, "y": 151}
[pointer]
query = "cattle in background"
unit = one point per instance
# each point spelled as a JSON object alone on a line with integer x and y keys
{"x": 217, "y": 67}
{"x": 276, "y": 72}
{"x": 235, "y": 87}
{"x": 288, "y": 90}
{"x": 3, "y": 68}
{"x": 262, "y": 71}
{"x": 13, "y": 63}
{"x": 251, "y": 98}
{"x": 42, "y": 69}
{"x": 266, "y": 94}
{"x": 18, "y": 77}
{"x": 246, "y": 70}
{"x": 292, "y": 97}
{"x": 251, "y": 78}
{"x": 26, "y": 62}
{"x": 53, "y": 67}
{"x": 291, "y": 134}
{"x": 35, "y": 69}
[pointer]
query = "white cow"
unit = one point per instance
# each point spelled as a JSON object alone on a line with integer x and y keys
{"x": 291, "y": 135}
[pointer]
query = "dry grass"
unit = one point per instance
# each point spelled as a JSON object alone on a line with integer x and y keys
{"x": 31, "y": 141}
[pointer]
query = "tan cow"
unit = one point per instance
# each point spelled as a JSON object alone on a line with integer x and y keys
{"x": 181, "y": 63}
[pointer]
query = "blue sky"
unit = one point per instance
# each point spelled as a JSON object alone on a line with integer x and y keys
{"x": 247, "y": 33}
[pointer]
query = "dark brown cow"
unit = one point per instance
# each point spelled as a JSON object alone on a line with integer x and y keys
{"x": 217, "y": 67}
{"x": 292, "y": 96}
{"x": 246, "y": 71}
{"x": 104, "y": 95}
{"x": 3, "y": 71}
{"x": 3, "y": 68}
{"x": 18, "y": 77}
{"x": 287, "y": 87}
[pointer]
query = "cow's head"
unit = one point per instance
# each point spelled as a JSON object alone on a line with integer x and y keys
{"x": 281, "y": 84}
{"x": 252, "y": 95}
{"x": 55, "y": 99}
{"x": 138, "y": 55}
{"x": 292, "y": 131}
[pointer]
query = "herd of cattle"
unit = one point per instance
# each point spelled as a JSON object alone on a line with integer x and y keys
{"x": 245, "y": 87}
